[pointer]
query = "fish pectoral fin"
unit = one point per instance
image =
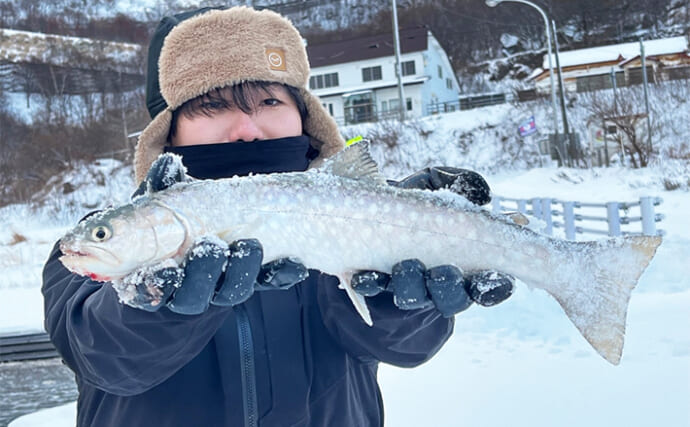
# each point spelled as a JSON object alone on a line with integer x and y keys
{"x": 357, "y": 300}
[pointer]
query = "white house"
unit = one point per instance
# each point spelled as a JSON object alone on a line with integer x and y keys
{"x": 356, "y": 78}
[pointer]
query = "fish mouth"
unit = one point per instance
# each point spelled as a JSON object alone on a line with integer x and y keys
{"x": 73, "y": 253}
{"x": 86, "y": 263}
{"x": 70, "y": 251}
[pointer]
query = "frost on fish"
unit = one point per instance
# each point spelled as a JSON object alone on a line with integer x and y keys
{"x": 343, "y": 218}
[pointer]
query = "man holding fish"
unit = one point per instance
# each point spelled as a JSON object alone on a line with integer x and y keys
{"x": 185, "y": 340}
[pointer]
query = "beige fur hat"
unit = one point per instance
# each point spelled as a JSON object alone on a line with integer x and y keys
{"x": 221, "y": 48}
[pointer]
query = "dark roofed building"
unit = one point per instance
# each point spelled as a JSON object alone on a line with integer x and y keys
{"x": 369, "y": 47}
{"x": 356, "y": 80}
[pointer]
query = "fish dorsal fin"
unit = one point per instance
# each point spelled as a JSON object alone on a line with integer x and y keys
{"x": 354, "y": 162}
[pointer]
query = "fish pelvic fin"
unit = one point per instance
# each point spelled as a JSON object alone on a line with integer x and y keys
{"x": 358, "y": 300}
{"x": 354, "y": 162}
{"x": 597, "y": 303}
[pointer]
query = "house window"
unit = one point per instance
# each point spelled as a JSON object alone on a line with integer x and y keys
{"x": 330, "y": 80}
{"x": 440, "y": 72}
{"x": 329, "y": 107}
{"x": 395, "y": 104}
{"x": 323, "y": 80}
{"x": 371, "y": 73}
{"x": 449, "y": 83}
{"x": 408, "y": 68}
{"x": 316, "y": 82}
{"x": 384, "y": 106}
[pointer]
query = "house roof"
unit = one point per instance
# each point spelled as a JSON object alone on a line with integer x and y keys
{"x": 368, "y": 47}
{"x": 618, "y": 52}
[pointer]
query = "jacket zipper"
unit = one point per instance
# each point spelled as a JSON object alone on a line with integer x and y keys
{"x": 244, "y": 332}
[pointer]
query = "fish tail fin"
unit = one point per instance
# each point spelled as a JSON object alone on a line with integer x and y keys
{"x": 597, "y": 302}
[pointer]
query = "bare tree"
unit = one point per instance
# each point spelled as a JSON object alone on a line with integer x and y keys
{"x": 626, "y": 112}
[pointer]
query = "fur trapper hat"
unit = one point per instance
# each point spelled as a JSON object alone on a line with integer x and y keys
{"x": 218, "y": 48}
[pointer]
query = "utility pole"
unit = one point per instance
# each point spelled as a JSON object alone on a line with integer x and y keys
{"x": 398, "y": 67}
{"x": 494, "y": 3}
{"x": 646, "y": 101}
{"x": 561, "y": 90}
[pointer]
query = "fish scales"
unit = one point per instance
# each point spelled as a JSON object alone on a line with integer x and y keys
{"x": 335, "y": 220}
{"x": 342, "y": 226}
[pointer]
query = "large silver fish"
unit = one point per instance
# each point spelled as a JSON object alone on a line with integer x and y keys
{"x": 342, "y": 218}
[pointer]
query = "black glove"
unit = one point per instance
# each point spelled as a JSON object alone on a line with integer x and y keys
{"x": 465, "y": 182}
{"x": 446, "y": 287}
{"x": 164, "y": 172}
{"x": 212, "y": 272}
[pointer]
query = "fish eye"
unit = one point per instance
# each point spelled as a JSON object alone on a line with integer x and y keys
{"x": 101, "y": 233}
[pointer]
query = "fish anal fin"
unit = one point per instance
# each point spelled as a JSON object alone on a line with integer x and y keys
{"x": 357, "y": 300}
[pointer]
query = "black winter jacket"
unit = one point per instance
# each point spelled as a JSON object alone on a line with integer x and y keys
{"x": 300, "y": 357}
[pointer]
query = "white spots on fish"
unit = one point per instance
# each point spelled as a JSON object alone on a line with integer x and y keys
{"x": 470, "y": 234}
{"x": 385, "y": 208}
{"x": 441, "y": 221}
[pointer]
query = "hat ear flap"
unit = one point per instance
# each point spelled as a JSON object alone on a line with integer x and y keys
{"x": 151, "y": 143}
{"x": 321, "y": 126}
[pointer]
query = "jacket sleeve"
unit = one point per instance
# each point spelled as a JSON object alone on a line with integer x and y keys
{"x": 114, "y": 347}
{"x": 404, "y": 338}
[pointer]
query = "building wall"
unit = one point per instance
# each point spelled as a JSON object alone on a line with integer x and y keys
{"x": 436, "y": 89}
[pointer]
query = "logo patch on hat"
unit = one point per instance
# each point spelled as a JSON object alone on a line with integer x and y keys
{"x": 276, "y": 59}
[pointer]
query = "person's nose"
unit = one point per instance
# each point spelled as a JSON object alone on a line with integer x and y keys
{"x": 244, "y": 127}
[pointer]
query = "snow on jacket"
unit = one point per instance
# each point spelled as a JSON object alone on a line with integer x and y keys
{"x": 298, "y": 357}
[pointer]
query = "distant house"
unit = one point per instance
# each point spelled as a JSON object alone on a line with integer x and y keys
{"x": 592, "y": 68}
{"x": 356, "y": 79}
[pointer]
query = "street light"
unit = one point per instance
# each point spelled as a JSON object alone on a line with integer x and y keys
{"x": 494, "y": 3}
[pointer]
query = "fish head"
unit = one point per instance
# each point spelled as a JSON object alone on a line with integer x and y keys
{"x": 113, "y": 243}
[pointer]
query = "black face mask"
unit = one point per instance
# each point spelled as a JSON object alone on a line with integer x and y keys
{"x": 212, "y": 161}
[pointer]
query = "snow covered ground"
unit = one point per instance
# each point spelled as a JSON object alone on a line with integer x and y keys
{"x": 521, "y": 363}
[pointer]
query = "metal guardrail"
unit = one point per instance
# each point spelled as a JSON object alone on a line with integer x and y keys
{"x": 29, "y": 346}
{"x": 617, "y": 215}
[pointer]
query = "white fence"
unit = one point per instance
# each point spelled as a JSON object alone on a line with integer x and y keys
{"x": 621, "y": 218}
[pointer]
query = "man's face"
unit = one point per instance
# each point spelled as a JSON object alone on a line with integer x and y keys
{"x": 274, "y": 115}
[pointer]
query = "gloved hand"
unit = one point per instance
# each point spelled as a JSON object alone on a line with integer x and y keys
{"x": 446, "y": 286}
{"x": 212, "y": 272}
{"x": 464, "y": 182}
